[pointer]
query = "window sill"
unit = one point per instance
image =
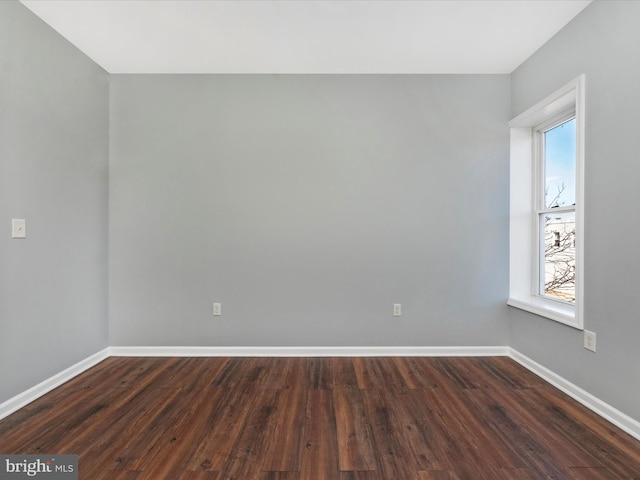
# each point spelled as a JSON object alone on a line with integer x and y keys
{"x": 557, "y": 311}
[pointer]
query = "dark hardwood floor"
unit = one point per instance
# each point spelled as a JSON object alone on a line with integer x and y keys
{"x": 483, "y": 418}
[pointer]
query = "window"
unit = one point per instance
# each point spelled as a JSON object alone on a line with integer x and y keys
{"x": 555, "y": 206}
{"x": 547, "y": 208}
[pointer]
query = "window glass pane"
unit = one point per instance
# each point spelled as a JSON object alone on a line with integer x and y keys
{"x": 560, "y": 256}
{"x": 560, "y": 165}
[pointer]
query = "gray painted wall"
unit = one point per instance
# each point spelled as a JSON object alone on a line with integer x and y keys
{"x": 604, "y": 43}
{"x": 308, "y": 205}
{"x": 53, "y": 173}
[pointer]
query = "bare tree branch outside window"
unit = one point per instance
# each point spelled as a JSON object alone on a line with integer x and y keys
{"x": 560, "y": 252}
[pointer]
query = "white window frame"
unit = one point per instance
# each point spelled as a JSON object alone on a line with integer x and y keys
{"x": 525, "y": 178}
{"x": 539, "y": 195}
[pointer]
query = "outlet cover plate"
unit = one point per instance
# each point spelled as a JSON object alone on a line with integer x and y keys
{"x": 590, "y": 340}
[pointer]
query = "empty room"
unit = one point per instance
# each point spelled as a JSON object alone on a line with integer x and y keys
{"x": 319, "y": 239}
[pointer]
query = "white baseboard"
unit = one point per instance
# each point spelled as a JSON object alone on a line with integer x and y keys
{"x": 606, "y": 411}
{"x": 28, "y": 396}
{"x": 308, "y": 351}
{"x": 616, "y": 417}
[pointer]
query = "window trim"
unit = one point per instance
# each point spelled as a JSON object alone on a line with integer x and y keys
{"x": 524, "y": 219}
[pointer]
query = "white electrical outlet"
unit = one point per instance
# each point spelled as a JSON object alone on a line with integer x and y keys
{"x": 217, "y": 309}
{"x": 590, "y": 340}
{"x": 397, "y": 310}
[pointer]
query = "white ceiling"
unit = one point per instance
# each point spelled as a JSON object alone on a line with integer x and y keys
{"x": 307, "y": 36}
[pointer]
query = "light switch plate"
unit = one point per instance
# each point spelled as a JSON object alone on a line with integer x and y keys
{"x": 18, "y": 228}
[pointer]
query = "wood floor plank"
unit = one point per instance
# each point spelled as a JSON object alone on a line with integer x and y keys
{"x": 356, "y": 449}
{"x": 505, "y": 372}
{"x": 222, "y": 427}
{"x": 421, "y": 375}
{"x": 485, "y": 418}
{"x": 147, "y": 446}
{"x": 276, "y": 373}
{"x": 390, "y": 375}
{"x": 240, "y": 374}
{"x": 412, "y": 375}
{"x": 520, "y": 474}
{"x": 381, "y": 373}
{"x": 590, "y": 474}
{"x": 344, "y": 374}
{"x": 361, "y": 475}
{"x": 183, "y": 430}
{"x": 104, "y": 452}
{"x": 577, "y": 429}
{"x": 127, "y": 435}
{"x": 285, "y": 445}
{"x": 42, "y": 436}
{"x": 123, "y": 475}
{"x": 320, "y": 454}
{"x": 394, "y": 454}
{"x": 365, "y": 373}
{"x": 437, "y": 475}
{"x": 117, "y": 442}
{"x": 605, "y": 441}
{"x": 201, "y": 475}
{"x": 247, "y": 455}
{"x": 77, "y": 394}
{"x": 127, "y": 403}
{"x": 432, "y": 447}
{"x": 488, "y": 374}
{"x": 457, "y": 371}
{"x": 280, "y": 476}
{"x": 195, "y": 374}
{"x": 512, "y": 420}
{"x": 517, "y": 375}
{"x": 192, "y": 436}
{"x": 320, "y": 373}
{"x": 471, "y": 430}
